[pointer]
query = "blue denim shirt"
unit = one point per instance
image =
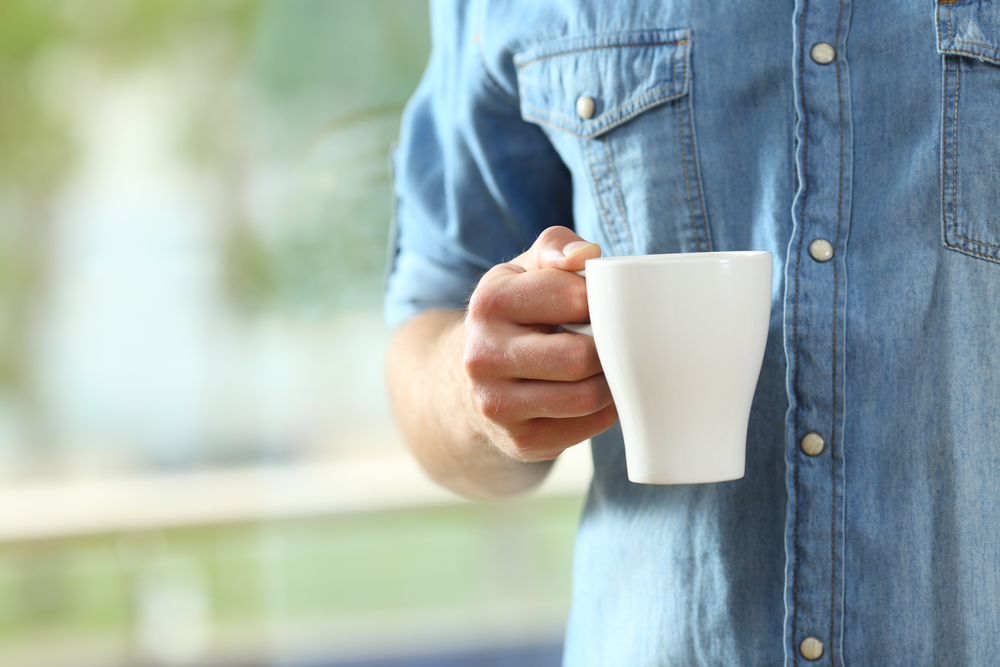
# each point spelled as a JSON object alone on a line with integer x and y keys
{"x": 869, "y": 517}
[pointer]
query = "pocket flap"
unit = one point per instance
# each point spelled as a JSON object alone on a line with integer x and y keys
{"x": 969, "y": 28}
{"x": 623, "y": 73}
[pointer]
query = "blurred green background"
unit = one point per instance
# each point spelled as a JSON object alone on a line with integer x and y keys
{"x": 194, "y": 207}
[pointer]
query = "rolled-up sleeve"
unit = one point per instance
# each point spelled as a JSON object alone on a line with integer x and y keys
{"x": 474, "y": 184}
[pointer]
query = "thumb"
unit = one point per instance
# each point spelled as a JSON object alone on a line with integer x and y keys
{"x": 558, "y": 248}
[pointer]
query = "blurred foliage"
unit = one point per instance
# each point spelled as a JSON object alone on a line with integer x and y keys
{"x": 329, "y": 80}
{"x": 37, "y": 149}
{"x": 301, "y": 106}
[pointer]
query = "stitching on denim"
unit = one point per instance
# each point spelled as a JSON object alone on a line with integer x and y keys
{"x": 697, "y": 171}
{"x": 985, "y": 46}
{"x": 954, "y": 165}
{"x": 795, "y": 338}
{"x": 833, "y": 366}
{"x": 954, "y": 178}
{"x": 972, "y": 252}
{"x": 975, "y": 242}
{"x": 973, "y": 53}
{"x": 635, "y": 45}
{"x": 608, "y": 227}
{"x": 617, "y": 109}
{"x": 521, "y": 46}
{"x": 618, "y": 194}
{"x": 944, "y": 155}
{"x": 687, "y": 178}
{"x": 951, "y": 38}
{"x": 954, "y": 170}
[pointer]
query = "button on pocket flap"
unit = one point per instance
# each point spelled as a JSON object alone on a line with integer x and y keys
{"x": 969, "y": 28}
{"x": 588, "y": 85}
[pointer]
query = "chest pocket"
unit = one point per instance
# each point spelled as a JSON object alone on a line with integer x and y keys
{"x": 969, "y": 41}
{"x": 618, "y": 109}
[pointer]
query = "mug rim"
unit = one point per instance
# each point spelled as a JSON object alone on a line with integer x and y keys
{"x": 675, "y": 257}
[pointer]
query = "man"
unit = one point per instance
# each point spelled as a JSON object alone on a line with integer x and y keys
{"x": 857, "y": 142}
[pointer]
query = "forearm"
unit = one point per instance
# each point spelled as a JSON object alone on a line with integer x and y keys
{"x": 432, "y": 399}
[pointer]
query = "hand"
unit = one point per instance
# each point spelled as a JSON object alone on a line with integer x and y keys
{"x": 536, "y": 392}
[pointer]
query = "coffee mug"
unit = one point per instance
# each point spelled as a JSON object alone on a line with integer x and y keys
{"x": 681, "y": 339}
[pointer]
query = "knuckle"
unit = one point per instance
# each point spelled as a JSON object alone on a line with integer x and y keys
{"x": 489, "y": 403}
{"x": 578, "y": 295}
{"x": 535, "y": 441}
{"x": 477, "y": 362}
{"x": 578, "y": 358}
{"x": 588, "y": 397}
{"x": 547, "y": 235}
{"x": 484, "y": 304}
{"x": 572, "y": 292}
{"x": 524, "y": 441}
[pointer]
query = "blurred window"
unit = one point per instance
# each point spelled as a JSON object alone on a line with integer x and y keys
{"x": 197, "y": 462}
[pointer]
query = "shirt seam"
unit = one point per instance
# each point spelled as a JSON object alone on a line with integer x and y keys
{"x": 833, "y": 366}
{"x": 954, "y": 166}
{"x": 951, "y": 38}
{"x": 687, "y": 178}
{"x": 954, "y": 160}
{"x": 944, "y": 155}
{"x": 618, "y": 192}
{"x": 992, "y": 59}
{"x": 524, "y": 64}
{"x": 795, "y": 336}
{"x": 694, "y": 157}
{"x": 608, "y": 224}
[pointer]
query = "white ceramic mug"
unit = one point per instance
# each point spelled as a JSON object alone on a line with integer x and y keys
{"x": 681, "y": 338}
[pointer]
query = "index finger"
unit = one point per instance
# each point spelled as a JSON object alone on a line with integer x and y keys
{"x": 557, "y": 248}
{"x": 546, "y": 296}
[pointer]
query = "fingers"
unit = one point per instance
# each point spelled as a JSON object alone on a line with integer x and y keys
{"x": 545, "y": 438}
{"x": 558, "y": 248}
{"x": 532, "y": 355}
{"x": 517, "y": 401}
{"x": 544, "y": 296}
{"x": 538, "y": 287}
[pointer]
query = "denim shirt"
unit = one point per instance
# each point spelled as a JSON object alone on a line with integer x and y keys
{"x": 867, "y": 528}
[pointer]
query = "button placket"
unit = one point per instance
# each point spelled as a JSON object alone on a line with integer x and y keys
{"x": 814, "y": 527}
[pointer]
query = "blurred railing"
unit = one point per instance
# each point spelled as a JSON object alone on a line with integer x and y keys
{"x": 136, "y": 503}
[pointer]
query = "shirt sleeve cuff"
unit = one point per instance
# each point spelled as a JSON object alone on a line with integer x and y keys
{"x": 417, "y": 284}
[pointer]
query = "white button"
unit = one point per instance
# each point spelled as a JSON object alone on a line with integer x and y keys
{"x": 823, "y": 54}
{"x": 811, "y": 648}
{"x": 585, "y": 106}
{"x": 812, "y": 444}
{"x": 821, "y": 250}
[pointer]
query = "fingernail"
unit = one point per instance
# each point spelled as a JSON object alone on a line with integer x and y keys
{"x": 575, "y": 247}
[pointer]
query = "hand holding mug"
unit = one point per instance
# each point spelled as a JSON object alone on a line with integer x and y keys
{"x": 536, "y": 394}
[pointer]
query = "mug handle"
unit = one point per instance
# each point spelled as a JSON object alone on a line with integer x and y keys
{"x": 578, "y": 327}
